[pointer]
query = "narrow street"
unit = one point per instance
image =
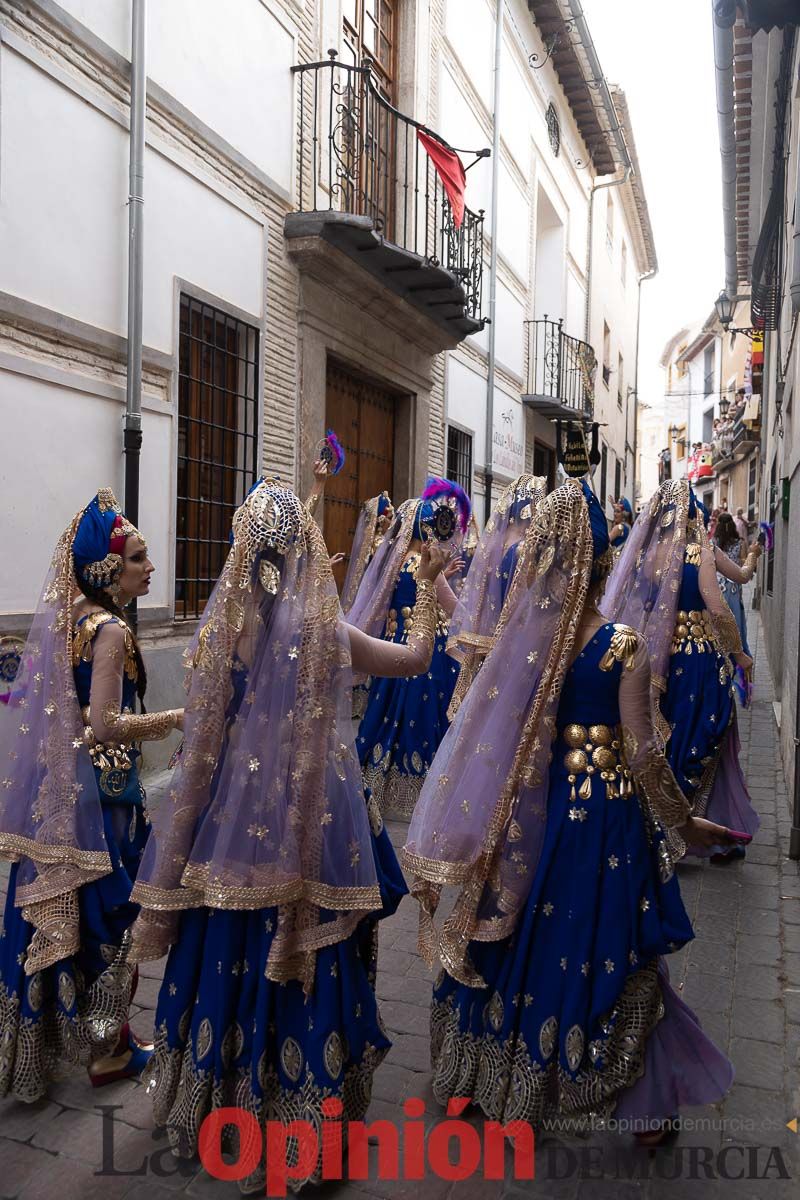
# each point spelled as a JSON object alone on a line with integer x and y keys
{"x": 741, "y": 975}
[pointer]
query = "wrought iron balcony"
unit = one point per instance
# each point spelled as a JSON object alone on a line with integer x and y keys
{"x": 367, "y": 185}
{"x": 561, "y": 372}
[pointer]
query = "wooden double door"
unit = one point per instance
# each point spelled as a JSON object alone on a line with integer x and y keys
{"x": 362, "y": 414}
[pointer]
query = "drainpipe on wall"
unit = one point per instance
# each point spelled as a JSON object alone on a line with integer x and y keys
{"x": 642, "y": 279}
{"x": 488, "y": 472}
{"x": 794, "y": 836}
{"x": 724, "y": 12}
{"x": 133, "y": 390}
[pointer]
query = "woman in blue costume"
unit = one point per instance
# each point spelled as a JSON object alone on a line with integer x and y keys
{"x": 621, "y": 526}
{"x": 406, "y": 719}
{"x": 665, "y": 585}
{"x": 72, "y": 817}
{"x": 480, "y": 604}
{"x": 548, "y": 813}
{"x": 732, "y": 572}
{"x": 267, "y": 871}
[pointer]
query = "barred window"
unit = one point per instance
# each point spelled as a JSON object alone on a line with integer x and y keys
{"x": 217, "y": 443}
{"x": 459, "y": 457}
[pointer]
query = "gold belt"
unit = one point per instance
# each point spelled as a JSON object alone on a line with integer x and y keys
{"x": 692, "y": 627}
{"x": 407, "y": 617}
{"x": 596, "y": 749}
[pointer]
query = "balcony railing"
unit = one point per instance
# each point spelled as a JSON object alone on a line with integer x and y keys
{"x": 561, "y": 372}
{"x": 360, "y": 156}
{"x": 745, "y": 437}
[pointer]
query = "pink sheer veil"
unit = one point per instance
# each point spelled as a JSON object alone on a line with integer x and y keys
{"x": 266, "y": 805}
{"x": 480, "y": 820}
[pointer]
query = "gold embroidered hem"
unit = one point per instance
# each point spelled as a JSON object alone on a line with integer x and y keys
{"x": 183, "y": 1095}
{"x": 509, "y": 1083}
{"x": 33, "y": 1048}
{"x": 395, "y": 792}
{"x": 94, "y": 862}
{"x": 197, "y": 891}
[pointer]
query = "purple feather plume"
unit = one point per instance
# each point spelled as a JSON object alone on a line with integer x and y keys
{"x": 438, "y": 489}
{"x": 769, "y": 534}
{"x": 337, "y": 450}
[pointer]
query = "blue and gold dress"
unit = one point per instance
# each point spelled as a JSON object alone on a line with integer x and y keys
{"x": 572, "y": 1020}
{"x": 226, "y": 1034}
{"x": 405, "y": 719}
{"x": 698, "y": 703}
{"x": 699, "y": 707}
{"x": 76, "y": 1010}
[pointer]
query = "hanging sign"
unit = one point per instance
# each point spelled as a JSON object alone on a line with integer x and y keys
{"x": 576, "y": 456}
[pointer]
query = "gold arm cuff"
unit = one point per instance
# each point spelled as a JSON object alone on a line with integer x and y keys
{"x": 139, "y": 727}
{"x": 423, "y": 631}
{"x": 659, "y": 786}
{"x": 727, "y": 631}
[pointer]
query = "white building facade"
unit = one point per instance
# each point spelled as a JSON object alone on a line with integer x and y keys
{"x": 290, "y": 284}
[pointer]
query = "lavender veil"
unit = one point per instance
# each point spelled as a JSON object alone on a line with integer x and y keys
{"x": 363, "y": 543}
{"x": 480, "y": 820}
{"x": 375, "y": 591}
{"x": 266, "y": 805}
{"x": 51, "y": 819}
{"x": 480, "y": 603}
{"x": 644, "y": 586}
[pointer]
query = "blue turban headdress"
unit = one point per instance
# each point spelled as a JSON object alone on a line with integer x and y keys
{"x": 99, "y": 542}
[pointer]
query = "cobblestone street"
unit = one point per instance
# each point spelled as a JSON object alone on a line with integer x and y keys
{"x": 741, "y": 975}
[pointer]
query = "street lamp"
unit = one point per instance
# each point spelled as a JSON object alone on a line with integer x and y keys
{"x": 724, "y": 405}
{"x": 725, "y": 307}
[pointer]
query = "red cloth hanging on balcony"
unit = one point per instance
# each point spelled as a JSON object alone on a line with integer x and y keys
{"x": 450, "y": 170}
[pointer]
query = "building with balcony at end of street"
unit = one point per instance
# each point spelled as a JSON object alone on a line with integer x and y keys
{"x": 756, "y": 61}
{"x": 303, "y": 271}
{"x": 709, "y": 421}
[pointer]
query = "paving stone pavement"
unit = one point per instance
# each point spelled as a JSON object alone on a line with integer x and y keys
{"x": 741, "y": 975}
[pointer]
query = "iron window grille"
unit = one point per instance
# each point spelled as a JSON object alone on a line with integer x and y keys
{"x": 217, "y": 443}
{"x": 459, "y": 458}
